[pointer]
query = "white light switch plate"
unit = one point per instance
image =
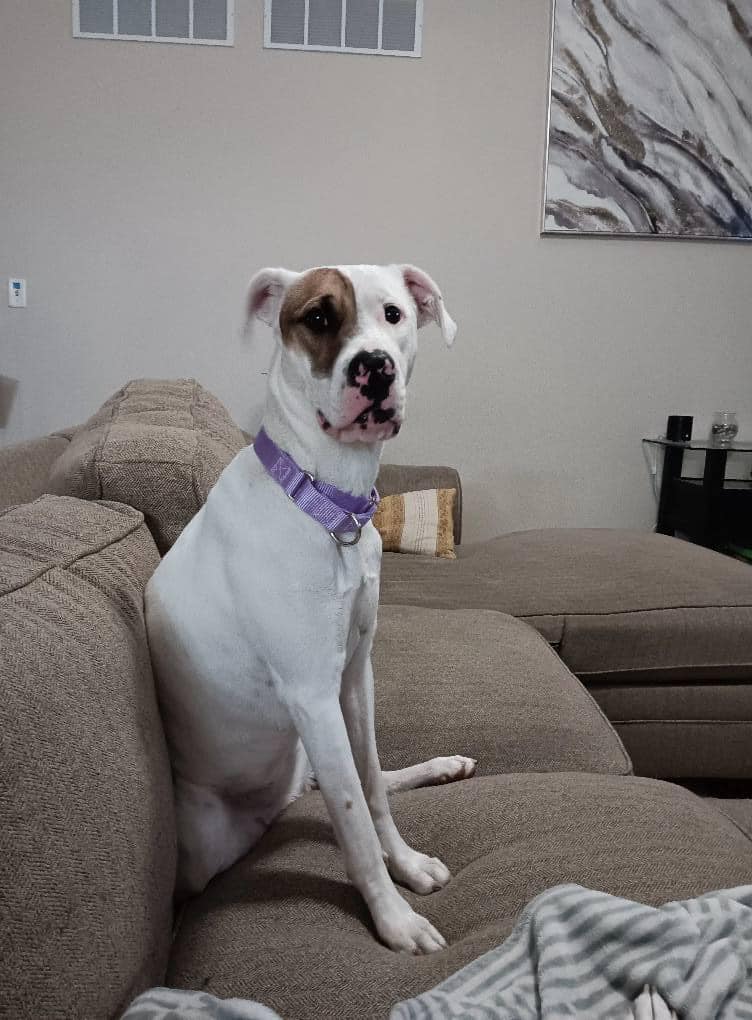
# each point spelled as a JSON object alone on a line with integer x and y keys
{"x": 16, "y": 292}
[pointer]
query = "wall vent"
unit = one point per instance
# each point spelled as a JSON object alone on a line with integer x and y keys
{"x": 203, "y": 22}
{"x": 391, "y": 28}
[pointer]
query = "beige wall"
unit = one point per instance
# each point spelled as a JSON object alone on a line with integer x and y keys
{"x": 142, "y": 185}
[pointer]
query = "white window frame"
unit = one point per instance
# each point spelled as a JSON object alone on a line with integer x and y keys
{"x": 417, "y": 50}
{"x": 229, "y": 41}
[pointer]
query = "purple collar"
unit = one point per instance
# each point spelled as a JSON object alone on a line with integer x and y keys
{"x": 338, "y": 511}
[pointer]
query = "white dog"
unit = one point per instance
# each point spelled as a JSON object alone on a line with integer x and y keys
{"x": 262, "y": 616}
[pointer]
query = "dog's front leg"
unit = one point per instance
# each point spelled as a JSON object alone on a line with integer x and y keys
{"x": 418, "y": 871}
{"x": 322, "y": 729}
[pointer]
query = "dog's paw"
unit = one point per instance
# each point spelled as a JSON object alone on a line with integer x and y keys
{"x": 453, "y": 768}
{"x": 404, "y": 931}
{"x": 417, "y": 871}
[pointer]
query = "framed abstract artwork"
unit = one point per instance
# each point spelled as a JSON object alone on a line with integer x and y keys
{"x": 650, "y": 119}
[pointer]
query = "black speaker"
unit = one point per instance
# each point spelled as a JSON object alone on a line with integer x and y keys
{"x": 679, "y": 428}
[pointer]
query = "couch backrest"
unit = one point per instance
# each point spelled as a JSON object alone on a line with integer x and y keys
{"x": 25, "y": 468}
{"x": 158, "y": 445}
{"x": 87, "y": 833}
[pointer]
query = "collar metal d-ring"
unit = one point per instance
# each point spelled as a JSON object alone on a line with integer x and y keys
{"x": 358, "y": 532}
{"x": 291, "y": 495}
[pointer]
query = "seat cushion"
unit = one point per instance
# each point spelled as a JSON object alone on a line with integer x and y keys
{"x": 158, "y": 445}
{"x": 624, "y": 609}
{"x": 87, "y": 837}
{"x": 483, "y": 684}
{"x": 738, "y": 809}
{"x": 285, "y": 927}
{"x": 685, "y": 730}
{"x": 618, "y": 605}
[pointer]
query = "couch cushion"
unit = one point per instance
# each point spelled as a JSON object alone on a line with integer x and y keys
{"x": 285, "y": 927}
{"x": 623, "y": 609}
{"x": 87, "y": 840}
{"x": 25, "y": 468}
{"x": 486, "y": 685}
{"x": 685, "y": 730}
{"x": 158, "y": 445}
{"x": 736, "y": 808}
{"x": 619, "y": 605}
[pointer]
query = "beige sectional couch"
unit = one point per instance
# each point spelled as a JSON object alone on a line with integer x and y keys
{"x": 477, "y": 655}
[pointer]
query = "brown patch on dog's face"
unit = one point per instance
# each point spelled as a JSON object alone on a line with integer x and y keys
{"x": 318, "y": 316}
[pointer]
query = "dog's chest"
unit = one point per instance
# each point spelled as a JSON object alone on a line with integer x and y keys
{"x": 360, "y": 584}
{"x": 258, "y": 587}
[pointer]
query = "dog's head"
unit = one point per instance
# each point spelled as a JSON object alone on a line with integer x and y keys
{"x": 348, "y": 339}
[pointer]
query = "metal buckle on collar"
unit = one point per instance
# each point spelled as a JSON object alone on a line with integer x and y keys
{"x": 358, "y": 532}
{"x": 293, "y": 494}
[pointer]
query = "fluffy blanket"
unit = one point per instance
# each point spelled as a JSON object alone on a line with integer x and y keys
{"x": 579, "y": 953}
{"x": 175, "y": 1004}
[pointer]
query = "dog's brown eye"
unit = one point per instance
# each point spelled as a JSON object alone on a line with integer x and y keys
{"x": 392, "y": 314}
{"x": 316, "y": 320}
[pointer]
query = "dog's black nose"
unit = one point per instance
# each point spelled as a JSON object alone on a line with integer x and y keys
{"x": 374, "y": 367}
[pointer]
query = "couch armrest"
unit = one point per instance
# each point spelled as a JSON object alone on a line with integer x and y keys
{"x": 395, "y": 478}
{"x": 25, "y": 468}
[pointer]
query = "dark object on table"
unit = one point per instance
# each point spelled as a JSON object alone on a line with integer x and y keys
{"x": 679, "y": 427}
{"x": 713, "y": 510}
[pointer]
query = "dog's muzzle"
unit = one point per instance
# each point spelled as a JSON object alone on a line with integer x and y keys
{"x": 369, "y": 404}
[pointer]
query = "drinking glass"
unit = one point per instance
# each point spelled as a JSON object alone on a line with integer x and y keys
{"x": 724, "y": 428}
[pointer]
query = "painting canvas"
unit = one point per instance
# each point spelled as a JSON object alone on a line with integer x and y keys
{"x": 650, "y": 119}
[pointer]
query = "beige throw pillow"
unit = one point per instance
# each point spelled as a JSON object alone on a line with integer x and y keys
{"x": 418, "y": 522}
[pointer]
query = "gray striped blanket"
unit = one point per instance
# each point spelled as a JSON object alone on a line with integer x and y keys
{"x": 573, "y": 953}
{"x": 579, "y": 953}
{"x": 176, "y": 1004}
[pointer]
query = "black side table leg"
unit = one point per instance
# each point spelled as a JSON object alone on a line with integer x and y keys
{"x": 673, "y": 458}
{"x": 712, "y": 490}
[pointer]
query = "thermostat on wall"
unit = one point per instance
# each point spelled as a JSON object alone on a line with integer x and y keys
{"x": 16, "y": 292}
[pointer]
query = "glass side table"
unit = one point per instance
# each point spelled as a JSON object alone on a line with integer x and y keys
{"x": 713, "y": 510}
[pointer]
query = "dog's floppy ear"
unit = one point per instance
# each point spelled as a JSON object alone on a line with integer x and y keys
{"x": 266, "y": 292}
{"x": 429, "y": 302}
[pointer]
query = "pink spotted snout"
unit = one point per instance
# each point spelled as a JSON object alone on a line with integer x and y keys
{"x": 371, "y": 402}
